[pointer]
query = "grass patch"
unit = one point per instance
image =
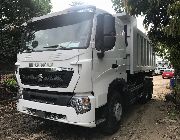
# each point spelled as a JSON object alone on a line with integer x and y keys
{"x": 173, "y": 112}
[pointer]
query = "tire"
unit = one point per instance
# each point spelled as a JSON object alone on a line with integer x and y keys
{"x": 154, "y": 74}
{"x": 114, "y": 114}
{"x": 36, "y": 118}
{"x": 147, "y": 91}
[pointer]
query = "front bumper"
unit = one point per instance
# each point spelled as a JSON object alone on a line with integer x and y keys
{"x": 167, "y": 76}
{"x": 69, "y": 114}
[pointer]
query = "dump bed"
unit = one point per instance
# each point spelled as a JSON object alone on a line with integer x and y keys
{"x": 139, "y": 52}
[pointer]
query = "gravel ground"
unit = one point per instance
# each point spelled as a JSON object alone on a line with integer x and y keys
{"x": 155, "y": 120}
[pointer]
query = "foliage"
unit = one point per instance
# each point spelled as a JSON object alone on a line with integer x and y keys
{"x": 13, "y": 14}
{"x": 119, "y": 5}
{"x": 173, "y": 11}
{"x": 162, "y": 17}
{"x": 10, "y": 84}
{"x": 173, "y": 112}
{"x": 177, "y": 91}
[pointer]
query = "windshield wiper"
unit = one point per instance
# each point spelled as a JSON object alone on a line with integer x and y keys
{"x": 54, "y": 46}
{"x": 57, "y": 47}
{"x": 63, "y": 48}
{"x": 29, "y": 49}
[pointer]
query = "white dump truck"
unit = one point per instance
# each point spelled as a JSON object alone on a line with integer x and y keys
{"x": 83, "y": 66}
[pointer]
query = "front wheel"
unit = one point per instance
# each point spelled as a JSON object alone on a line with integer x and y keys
{"x": 114, "y": 113}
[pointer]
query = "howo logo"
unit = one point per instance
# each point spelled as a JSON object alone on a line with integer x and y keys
{"x": 44, "y": 64}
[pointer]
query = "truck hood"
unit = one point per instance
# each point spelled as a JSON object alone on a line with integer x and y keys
{"x": 59, "y": 55}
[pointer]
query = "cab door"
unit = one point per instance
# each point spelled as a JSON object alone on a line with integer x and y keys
{"x": 105, "y": 58}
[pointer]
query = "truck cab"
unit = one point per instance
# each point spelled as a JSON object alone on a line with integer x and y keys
{"x": 75, "y": 68}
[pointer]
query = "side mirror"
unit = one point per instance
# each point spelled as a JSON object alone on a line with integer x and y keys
{"x": 34, "y": 44}
{"x": 105, "y": 34}
{"x": 109, "y": 25}
{"x": 109, "y": 42}
{"x": 109, "y": 32}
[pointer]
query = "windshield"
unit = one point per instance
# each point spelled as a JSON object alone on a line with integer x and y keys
{"x": 168, "y": 70}
{"x": 68, "y": 31}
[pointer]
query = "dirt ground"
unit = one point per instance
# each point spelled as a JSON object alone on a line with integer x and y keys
{"x": 155, "y": 120}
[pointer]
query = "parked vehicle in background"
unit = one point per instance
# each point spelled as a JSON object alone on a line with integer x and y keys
{"x": 172, "y": 69}
{"x": 159, "y": 70}
{"x": 163, "y": 63}
{"x": 168, "y": 73}
{"x": 162, "y": 69}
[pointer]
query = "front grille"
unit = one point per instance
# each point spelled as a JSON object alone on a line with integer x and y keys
{"x": 48, "y": 97}
{"x": 45, "y": 77}
{"x": 46, "y": 115}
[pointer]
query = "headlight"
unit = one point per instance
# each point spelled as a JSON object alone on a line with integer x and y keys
{"x": 20, "y": 93}
{"x": 17, "y": 64}
{"x": 80, "y": 104}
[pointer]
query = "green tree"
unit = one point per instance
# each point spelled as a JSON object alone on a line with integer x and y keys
{"x": 162, "y": 17}
{"x": 13, "y": 14}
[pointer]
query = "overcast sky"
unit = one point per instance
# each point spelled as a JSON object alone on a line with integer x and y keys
{"x": 59, "y": 5}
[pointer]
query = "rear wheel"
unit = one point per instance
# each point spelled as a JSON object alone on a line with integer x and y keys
{"x": 114, "y": 113}
{"x": 154, "y": 74}
{"x": 147, "y": 91}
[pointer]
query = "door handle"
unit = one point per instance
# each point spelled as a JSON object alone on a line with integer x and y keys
{"x": 114, "y": 66}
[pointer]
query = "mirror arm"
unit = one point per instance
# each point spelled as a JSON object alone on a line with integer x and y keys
{"x": 100, "y": 54}
{"x": 125, "y": 30}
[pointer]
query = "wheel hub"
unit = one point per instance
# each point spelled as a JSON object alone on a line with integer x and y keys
{"x": 118, "y": 111}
